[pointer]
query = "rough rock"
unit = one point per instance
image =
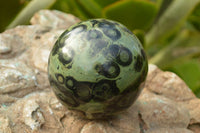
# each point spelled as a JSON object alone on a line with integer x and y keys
{"x": 27, "y": 103}
{"x": 54, "y": 19}
{"x": 4, "y": 124}
{"x": 16, "y": 78}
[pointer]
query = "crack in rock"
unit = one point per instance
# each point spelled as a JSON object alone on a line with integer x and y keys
{"x": 142, "y": 124}
{"x": 195, "y": 127}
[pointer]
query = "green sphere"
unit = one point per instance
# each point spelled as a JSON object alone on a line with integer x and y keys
{"x": 97, "y": 67}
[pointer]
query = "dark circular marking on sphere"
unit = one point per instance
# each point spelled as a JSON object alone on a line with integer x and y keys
{"x": 94, "y": 34}
{"x": 144, "y": 73}
{"x": 82, "y": 91}
{"x": 67, "y": 99}
{"x": 106, "y": 24}
{"x": 112, "y": 33}
{"x": 97, "y": 46}
{"x": 79, "y": 28}
{"x": 62, "y": 40}
{"x": 59, "y": 78}
{"x": 94, "y": 22}
{"x": 124, "y": 57}
{"x": 69, "y": 66}
{"x": 65, "y": 33}
{"x": 59, "y": 87}
{"x": 108, "y": 69}
{"x": 143, "y": 54}
{"x": 114, "y": 50}
{"x": 70, "y": 82}
{"x": 139, "y": 63}
{"x": 66, "y": 57}
{"x": 55, "y": 48}
{"x": 62, "y": 93}
{"x": 128, "y": 99}
{"x": 104, "y": 89}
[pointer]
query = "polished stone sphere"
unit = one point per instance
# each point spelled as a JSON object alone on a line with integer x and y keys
{"x": 97, "y": 67}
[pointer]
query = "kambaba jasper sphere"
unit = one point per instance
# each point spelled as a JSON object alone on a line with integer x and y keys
{"x": 97, "y": 67}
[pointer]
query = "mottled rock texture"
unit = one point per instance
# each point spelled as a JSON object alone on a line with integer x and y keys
{"x": 27, "y": 103}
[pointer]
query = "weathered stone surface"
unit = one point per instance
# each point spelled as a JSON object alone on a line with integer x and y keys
{"x": 4, "y": 125}
{"x": 54, "y": 19}
{"x": 194, "y": 110}
{"x": 16, "y": 78}
{"x": 27, "y": 104}
{"x": 158, "y": 111}
{"x": 5, "y": 47}
{"x": 41, "y": 48}
{"x": 169, "y": 130}
{"x": 166, "y": 86}
{"x": 32, "y": 114}
{"x": 7, "y": 50}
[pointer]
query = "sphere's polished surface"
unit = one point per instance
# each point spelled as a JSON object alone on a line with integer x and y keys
{"x": 97, "y": 67}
